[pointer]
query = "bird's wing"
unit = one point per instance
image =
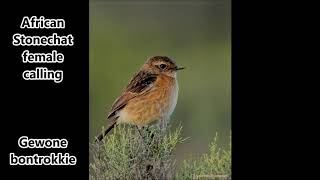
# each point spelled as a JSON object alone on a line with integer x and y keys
{"x": 141, "y": 83}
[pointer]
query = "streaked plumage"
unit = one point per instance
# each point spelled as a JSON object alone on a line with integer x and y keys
{"x": 150, "y": 96}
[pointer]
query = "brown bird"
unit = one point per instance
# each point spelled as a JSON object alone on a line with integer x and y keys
{"x": 150, "y": 97}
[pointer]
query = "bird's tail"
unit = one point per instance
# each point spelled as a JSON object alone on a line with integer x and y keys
{"x": 102, "y": 135}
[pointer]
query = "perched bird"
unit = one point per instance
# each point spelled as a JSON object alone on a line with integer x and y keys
{"x": 150, "y": 96}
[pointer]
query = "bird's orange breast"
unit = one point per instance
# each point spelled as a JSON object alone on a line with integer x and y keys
{"x": 153, "y": 105}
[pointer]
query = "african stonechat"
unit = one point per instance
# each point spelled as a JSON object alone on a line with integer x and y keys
{"x": 149, "y": 98}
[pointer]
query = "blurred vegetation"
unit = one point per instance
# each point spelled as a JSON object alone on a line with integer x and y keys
{"x": 215, "y": 165}
{"x": 126, "y": 154}
{"x": 149, "y": 154}
{"x": 197, "y": 35}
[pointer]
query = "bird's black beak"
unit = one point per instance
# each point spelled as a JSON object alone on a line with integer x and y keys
{"x": 179, "y": 68}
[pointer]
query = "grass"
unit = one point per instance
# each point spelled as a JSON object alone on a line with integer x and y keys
{"x": 127, "y": 154}
{"x": 214, "y": 165}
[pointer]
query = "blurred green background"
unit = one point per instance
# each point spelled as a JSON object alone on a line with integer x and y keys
{"x": 197, "y": 34}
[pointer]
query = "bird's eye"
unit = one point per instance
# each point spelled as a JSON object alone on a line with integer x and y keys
{"x": 162, "y": 66}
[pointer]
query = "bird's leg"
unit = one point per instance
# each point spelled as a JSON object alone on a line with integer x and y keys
{"x": 163, "y": 123}
{"x": 141, "y": 136}
{"x": 139, "y": 130}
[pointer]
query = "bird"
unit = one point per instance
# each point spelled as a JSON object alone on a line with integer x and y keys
{"x": 149, "y": 98}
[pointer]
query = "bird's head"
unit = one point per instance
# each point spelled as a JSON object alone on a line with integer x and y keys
{"x": 161, "y": 65}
